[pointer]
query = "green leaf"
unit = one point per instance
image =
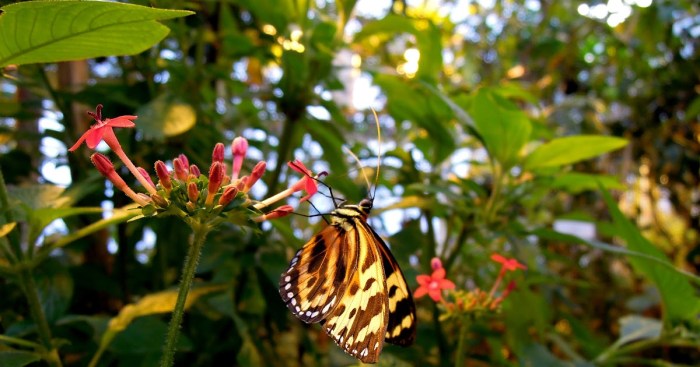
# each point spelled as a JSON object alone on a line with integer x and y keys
{"x": 426, "y": 33}
{"x": 55, "y": 288}
{"x": 164, "y": 117}
{"x": 575, "y": 182}
{"x": 571, "y": 149}
{"x": 503, "y": 128}
{"x": 145, "y": 335}
{"x": 411, "y": 101}
{"x": 679, "y": 298}
{"x": 16, "y": 358}
{"x": 51, "y": 31}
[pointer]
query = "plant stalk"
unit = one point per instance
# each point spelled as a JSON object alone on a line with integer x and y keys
{"x": 188, "y": 271}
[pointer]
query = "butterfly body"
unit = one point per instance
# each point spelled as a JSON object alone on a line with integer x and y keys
{"x": 346, "y": 278}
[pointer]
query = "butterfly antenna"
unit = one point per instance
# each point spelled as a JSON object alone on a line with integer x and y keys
{"x": 379, "y": 152}
{"x": 347, "y": 150}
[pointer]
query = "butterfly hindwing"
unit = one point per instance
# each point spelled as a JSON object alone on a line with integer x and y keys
{"x": 359, "y": 322}
{"x": 401, "y": 329}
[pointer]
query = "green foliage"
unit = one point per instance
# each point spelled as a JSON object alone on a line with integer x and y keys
{"x": 78, "y": 30}
{"x": 515, "y": 120}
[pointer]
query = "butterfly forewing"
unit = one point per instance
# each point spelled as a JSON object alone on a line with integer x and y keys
{"x": 346, "y": 278}
{"x": 318, "y": 275}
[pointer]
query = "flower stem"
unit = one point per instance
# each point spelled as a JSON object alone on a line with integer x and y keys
{"x": 31, "y": 293}
{"x": 188, "y": 271}
{"x": 461, "y": 343}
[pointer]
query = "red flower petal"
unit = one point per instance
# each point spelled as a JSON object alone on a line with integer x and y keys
{"x": 420, "y": 292}
{"x": 423, "y": 279}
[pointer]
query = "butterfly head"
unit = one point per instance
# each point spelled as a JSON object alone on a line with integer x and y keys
{"x": 366, "y": 205}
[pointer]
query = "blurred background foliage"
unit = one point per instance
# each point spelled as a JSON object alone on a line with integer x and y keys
{"x": 490, "y": 113}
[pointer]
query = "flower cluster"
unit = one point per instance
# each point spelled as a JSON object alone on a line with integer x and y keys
{"x": 184, "y": 190}
{"x": 466, "y": 301}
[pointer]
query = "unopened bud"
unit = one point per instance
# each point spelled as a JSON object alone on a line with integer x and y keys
{"x": 228, "y": 195}
{"x": 192, "y": 192}
{"x": 238, "y": 149}
{"x": 181, "y": 169}
{"x": 280, "y": 212}
{"x": 163, "y": 175}
{"x": 159, "y": 201}
{"x": 218, "y": 153}
{"x": 194, "y": 170}
{"x": 255, "y": 175}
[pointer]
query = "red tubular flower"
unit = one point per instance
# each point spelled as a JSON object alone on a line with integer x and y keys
{"x": 102, "y": 130}
{"x": 433, "y": 284}
{"x": 280, "y": 212}
{"x": 507, "y": 264}
{"x": 307, "y": 182}
{"x": 239, "y": 147}
{"x": 145, "y": 175}
{"x": 106, "y": 168}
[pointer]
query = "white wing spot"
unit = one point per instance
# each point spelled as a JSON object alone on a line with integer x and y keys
{"x": 364, "y": 353}
{"x": 325, "y": 309}
{"x": 290, "y": 294}
{"x": 314, "y": 314}
{"x": 294, "y": 302}
{"x": 287, "y": 278}
{"x": 376, "y": 345}
{"x": 286, "y": 287}
{"x": 298, "y": 309}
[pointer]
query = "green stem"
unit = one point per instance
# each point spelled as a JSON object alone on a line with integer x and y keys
{"x": 283, "y": 150}
{"x": 462, "y": 342}
{"x": 17, "y": 341}
{"x": 491, "y": 203}
{"x": 29, "y": 287}
{"x": 188, "y": 270}
{"x": 13, "y": 236}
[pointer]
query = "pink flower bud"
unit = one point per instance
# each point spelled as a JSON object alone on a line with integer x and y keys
{"x": 194, "y": 170}
{"x": 255, "y": 175}
{"x": 228, "y": 195}
{"x": 218, "y": 153}
{"x": 216, "y": 176}
{"x": 163, "y": 175}
{"x": 106, "y": 168}
{"x": 184, "y": 160}
{"x": 435, "y": 263}
{"x": 238, "y": 149}
{"x": 181, "y": 169}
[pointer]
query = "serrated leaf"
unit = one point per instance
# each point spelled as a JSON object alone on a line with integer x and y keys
{"x": 51, "y": 31}
{"x": 571, "y": 149}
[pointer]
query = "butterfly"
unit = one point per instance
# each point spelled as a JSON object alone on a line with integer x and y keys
{"x": 346, "y": 279}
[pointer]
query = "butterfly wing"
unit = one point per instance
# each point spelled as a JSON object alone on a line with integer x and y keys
{"x": 401, "y": 329}
{"x": 319, "y": 274}
{"x": 359, "y": 322}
